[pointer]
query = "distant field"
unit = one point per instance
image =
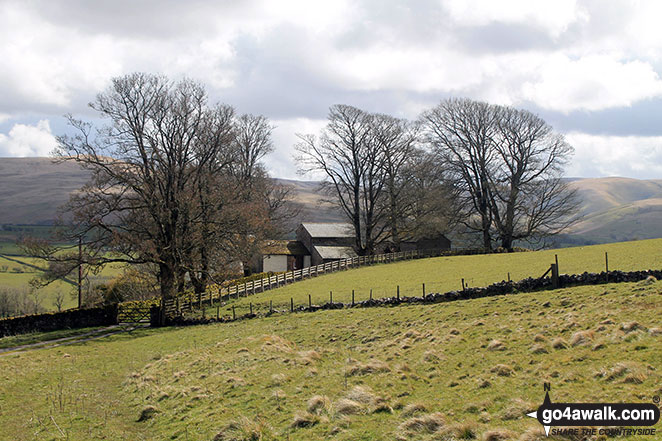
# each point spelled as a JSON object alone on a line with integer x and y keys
{"x": 445, "y": 273}
{"x": 461, "y": 370}
{"x": 18, "y": 276}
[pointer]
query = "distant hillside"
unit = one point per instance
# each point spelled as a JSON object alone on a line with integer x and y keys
{"x": 613, "y": 209}
{"x": 618, "y": 209}
{"x": 32, "y": 189}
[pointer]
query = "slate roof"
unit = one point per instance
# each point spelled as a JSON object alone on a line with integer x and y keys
{"x": 327, "y": 252}
{"x": 328, "y": 229}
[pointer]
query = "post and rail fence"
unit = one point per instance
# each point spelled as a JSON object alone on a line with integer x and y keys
{"x": 216, "y": 296}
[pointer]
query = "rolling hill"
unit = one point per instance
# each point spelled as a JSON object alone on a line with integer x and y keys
{"x": 613, "y": 209}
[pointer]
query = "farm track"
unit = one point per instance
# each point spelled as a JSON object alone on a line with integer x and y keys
{"x": 88, "y": 336}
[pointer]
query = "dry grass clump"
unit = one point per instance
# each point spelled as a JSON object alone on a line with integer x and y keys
{"x": 319, "y": 404}
{"x": 648, "y": 281}
{"x": 304, "y": 419}
{"x": 345, "y": 406}
{"x": 502, "y": 370}
{"x": 534, "y": 434}
{"x": 539, "y": 338}
{"x": 308, "y": 357}
{"x": 413, "y": 409}
{"x": 655, "y": 331}
{"x": 631, "y": 373}
{"x": 235, "y": 381}
{"x": 464, "y": 430}
{"x": 147, "y": 413}
{"x": 631, "y": 327}
{"x": 496, "y": 345}
{"x": 581, "y": 338}
{"x": 240, "y": 350}
{"x": 498, "y": 435}
{"x": 430, "y": 357}
{"x": 559, "y": 343}
{"x": 516, "y": 409}
{"x": 454, "y": 331}
{"x": 361, "y": 399}
{"x": 429, "y": 423}
{"x": 276, "y": 343}
{"x": 539, "y": 349}
{"x": 244, "y": 429}
{"x": 371, "y": 367}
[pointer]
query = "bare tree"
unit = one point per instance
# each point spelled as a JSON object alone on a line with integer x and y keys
{"x": 509, "y": 165}
{"x": 396, "y": 139}
{"x": 353, "y": 165}
{"x": 529, "y": 200}
{"x": 162, "y": 189}
{"x": 461, "y": 132}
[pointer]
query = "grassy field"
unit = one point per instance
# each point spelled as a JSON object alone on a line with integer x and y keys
{"x": 16, "y": 272}
{"x": 446, "y": 371}
{"x": 444, "y": 274}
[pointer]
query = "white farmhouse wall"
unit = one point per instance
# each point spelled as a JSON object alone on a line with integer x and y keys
{"x": 274, "y": 262}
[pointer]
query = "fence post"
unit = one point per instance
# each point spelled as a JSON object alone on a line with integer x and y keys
{"x": 424, "y": 291}
{"x": 463, "y": 285}
{"x": 291, "y": 304}
{"x": 509, "y": 277}
{"x": 271, "y": 306}
{"x": 555, "y": 275}
{"x": 606, "y": 267}
{"x": 218, "y": 312}
{"x": 370, "y": 293}
{"x": 251, "y": 306}
{"x": 398, "y": 293}
{"x": 331, "y": 297}
{"x": 352, "y": 297}
{"x": 310, "y": 302}
{"x": 234, "y": 315}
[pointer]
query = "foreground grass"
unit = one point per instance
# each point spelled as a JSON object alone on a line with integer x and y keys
{"x": 419, "y": 372}
{"x": 444, "y": 274}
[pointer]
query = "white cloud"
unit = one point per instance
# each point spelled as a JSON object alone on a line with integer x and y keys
{"x": 553, "y": 16}
{"x": 26, "y": 140}
{"x": 281, "y": 162}
{"x": 634, "y": 156}
{"x": 593, "y": 82}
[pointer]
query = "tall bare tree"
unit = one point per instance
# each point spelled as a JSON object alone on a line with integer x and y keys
{"x": 352, "y": 162}
{"x": 529, "y": 200}
{"x": 509, "y": 164}
{"x": 162, "y": 192}
{"x": 397, "y": 140}
{"x": 461, "y": 132}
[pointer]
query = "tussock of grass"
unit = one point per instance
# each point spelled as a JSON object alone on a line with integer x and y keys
{"x": 431, "y": 357}
{"x": 346, "y": 406}
{"x": 631, "y": 327}
{"x": 413, "y": 409}
{"x": 148, "y": 412}
{"x": 559, "y": 343}
{"x": 277, "y": 343}
{"x": 459, "y": 431}
{"x": 539, "y": 338}
{"x": 305, "y": 419}
{"x": 581, "y": 338}
{"x": 244, "y": 429}
{"x": 629, "y": 372}
{"x": 371, "y": 367}
{"x": 318, "y": 404}
{"x": 498, "y": 435}
{"x": 424, "y": 424}
{"x": 516, "y": 409}
{"x": 539, "y": 349}
{"x": 502, "y": 370}
{"x": 496, "y": 345}
{"x": 655, "y": 331}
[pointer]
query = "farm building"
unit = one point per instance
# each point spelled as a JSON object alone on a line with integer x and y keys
{"x": 316, "y": 243}
{"x": 284, "y": 255}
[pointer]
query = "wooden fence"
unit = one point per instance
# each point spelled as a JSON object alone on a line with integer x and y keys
{"x": 175, "y": 306}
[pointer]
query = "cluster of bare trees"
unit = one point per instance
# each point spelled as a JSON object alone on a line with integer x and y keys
{"x": 177, "y": 184}
{"x": 495, "y": 170}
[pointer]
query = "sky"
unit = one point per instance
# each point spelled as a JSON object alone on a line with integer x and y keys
{"x": 589, "y": 68}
